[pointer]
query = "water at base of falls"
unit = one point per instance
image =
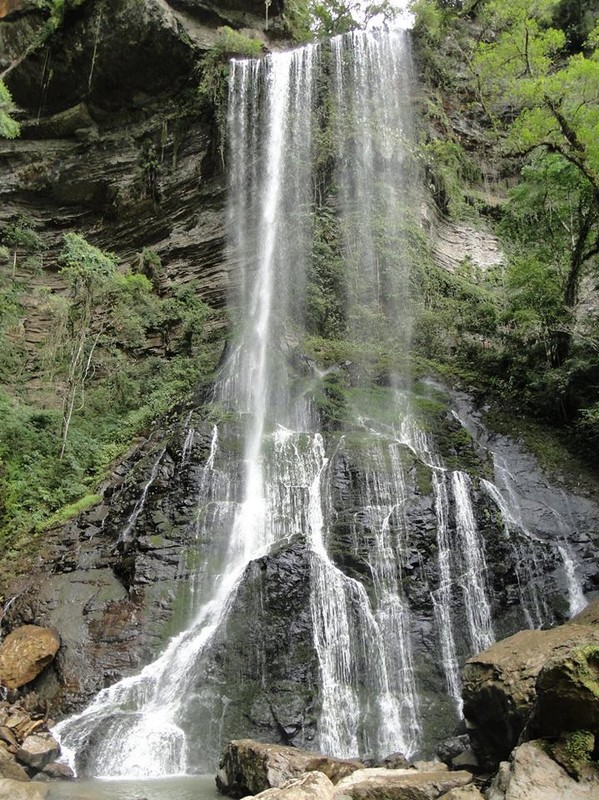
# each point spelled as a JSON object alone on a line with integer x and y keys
{"x": 273, "y": 476}
{"x": 199, "y": 787}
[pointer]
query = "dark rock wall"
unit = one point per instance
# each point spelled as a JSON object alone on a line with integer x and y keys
{"x": 116, "y": 146}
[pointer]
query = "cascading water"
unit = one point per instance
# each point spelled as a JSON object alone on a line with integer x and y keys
{"x": 278, "y": 475}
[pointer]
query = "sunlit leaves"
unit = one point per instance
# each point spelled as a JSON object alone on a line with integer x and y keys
{"x": 9, "y": 128}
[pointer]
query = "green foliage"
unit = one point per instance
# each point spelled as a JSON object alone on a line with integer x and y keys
{"x": 9, "y": 128}
{"x": 309, "y": 19}
{"x": 325, "y": 307}
{"x": 72, "y": 509}
{"x": 87, "y": 269}
{"x": 233, "y": 43}
{"x": 451, "y": 171}
{"x": 212, "y": 88}
{"x": 93, "y": 359}
{"x": 517, "y": 65}
{"x": 150, "y": 265}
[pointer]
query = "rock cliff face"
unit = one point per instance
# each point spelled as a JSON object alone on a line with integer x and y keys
{"x": 126, "y": 575}
{"x": 116, "y": 146}
{"x": 115, "y": 142}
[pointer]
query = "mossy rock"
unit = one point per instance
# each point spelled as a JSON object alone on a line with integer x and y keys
{"x": 568, "y": 694}
{"x": 573, "y": 751}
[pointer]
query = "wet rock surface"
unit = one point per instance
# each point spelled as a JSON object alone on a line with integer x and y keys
{"x": 121, "y": 578}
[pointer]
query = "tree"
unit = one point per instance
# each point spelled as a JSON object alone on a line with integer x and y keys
{"x": 322, "y": 18}
{"x": 90, "y": 274}
{"x": 9, "y": 128}
{"x": 547, "y": 103}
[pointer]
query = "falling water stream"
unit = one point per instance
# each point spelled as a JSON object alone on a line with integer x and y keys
{"x": 161, "y": 722}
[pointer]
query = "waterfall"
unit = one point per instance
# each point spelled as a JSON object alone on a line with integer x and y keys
{"x": 139, "y": 505}
{"x": 442, "y": 598}
{"x": 279, "y": 473}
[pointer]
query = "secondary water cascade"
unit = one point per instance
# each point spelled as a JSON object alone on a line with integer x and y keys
{"x": 323, "y": 133}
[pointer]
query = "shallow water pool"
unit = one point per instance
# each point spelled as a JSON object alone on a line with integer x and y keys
{"x": 192, "y": 787}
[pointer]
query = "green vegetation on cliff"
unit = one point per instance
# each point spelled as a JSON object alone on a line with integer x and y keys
{"x": 9, "y": 128}
{"x": 522, "y": 80}
{"x": 118, "y": 355}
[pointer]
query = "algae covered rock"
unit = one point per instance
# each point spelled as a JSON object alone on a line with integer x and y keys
{"x": 24, "y": 654}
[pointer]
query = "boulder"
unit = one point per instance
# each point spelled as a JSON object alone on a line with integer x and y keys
{"x": 533, "y": 775}
{"x": 250, "y": 767}
{"x": 16, "y": 790}
{"x": 38, "y": 750}
{"x": 395, "y": 761}
{"x": 399, "y": 784}
{"x": 470, "y": 792}
{"x": 57, "y": 771}
{"x": 311, "y": 786}
{"x": 567, "y": 695}
{"x": 24, "y": 654}
{"x": 452, "y": 747}
{"x": 499, "y": 686}
{"x": 14, "y": 771}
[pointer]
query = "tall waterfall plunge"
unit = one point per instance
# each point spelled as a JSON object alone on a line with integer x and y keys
{"x": 321, "y": 466}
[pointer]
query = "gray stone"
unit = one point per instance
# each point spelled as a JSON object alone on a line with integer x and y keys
{"x": 470, "y": 792}
{"x": 399, "y": 784}
{"x": 532, "y": 775}
{"x": 10, "y": 769}
{"x": 249, "y": 767}
{"x": 310, "y": 786}
{"x": 38, "y": 750}
{"x": 58, "y": 771}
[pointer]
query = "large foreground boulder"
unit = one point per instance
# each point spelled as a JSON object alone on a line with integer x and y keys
{"x": 310, "y": 786}
{"x": 249, "y": 767}
{"x": 375, "y": 784}
{"x": 500, "y": 685}
{"x": 24, "y": 654}
{"x": 533, "y": 775}
{"x": 400, "y": 784}
{"x": 15, "y": 790}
